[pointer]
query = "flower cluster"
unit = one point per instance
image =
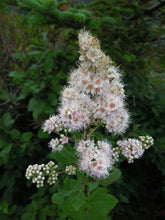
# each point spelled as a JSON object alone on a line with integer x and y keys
{"x": 57, "y": 144}
{"x": 133, "y": 148}
{"x": 95, "y": 159}
{"x": 38, "y": 173}
{"x": 147, "y": 141}
{"x": 70, "y": 170}
{"x": 100, "y": 82}
{"x": 94, "y": 97}
{"x": 95, "y": 93}
{"x": 55, "y": 123}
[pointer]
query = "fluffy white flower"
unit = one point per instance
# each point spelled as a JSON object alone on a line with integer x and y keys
{"x": 131, "y": 148}
{"x": 95, "y": 159}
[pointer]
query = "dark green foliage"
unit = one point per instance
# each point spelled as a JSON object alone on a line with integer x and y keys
{"x": 38, "y": 48}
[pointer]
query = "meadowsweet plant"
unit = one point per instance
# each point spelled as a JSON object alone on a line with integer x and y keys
{"x": 93, "y": 98}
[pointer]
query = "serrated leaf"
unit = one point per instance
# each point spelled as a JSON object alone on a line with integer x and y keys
{"x": 77, "y": 200}
{"x": 113, "y": 176}
{"x": 66, "y": 156}
{"x": 100, "y": 203}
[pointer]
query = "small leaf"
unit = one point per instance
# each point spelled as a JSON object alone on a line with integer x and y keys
{"x": 7, "y": 120}
{"x": 17, "y": 74}
{"x": 53, "y": 99}
{"x": 58, "y": 198}
{"x": 42, "y": 134}
{"x": 49, "y": 62}
{"x": 15, "y": 134}
{"x": 26, "y": 136}
{"x": 111, "y": 178}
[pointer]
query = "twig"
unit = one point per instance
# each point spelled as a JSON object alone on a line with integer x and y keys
{"x": 92, "y": 131}
{"x": 150, "y": 10}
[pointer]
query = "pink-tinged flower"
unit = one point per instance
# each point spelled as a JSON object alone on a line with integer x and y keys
{"x": 96, "y": 159}
{"x": 48, "y": 126}
{"x": 127, "y": 154}
{"x": 60, "y": 147}
{"x": 64, "y": 140}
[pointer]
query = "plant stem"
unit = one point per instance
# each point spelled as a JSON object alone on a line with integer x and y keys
{"x": 86, "y": 190}
{"x": 92, "y": 131}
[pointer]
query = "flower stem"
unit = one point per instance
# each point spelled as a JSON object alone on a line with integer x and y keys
{"x": 88, "y": 136}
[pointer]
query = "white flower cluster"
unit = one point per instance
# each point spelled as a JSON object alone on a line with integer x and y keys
{"x": 38, "y": 173}
{"x": 70, "y": 170}
{"x": 95, "y": 93}
{"x": 95, "y": 159}
{"x": 54, "y": 123}
{"x": 57, "y": 144}
{"x": 147, "y": 141}
{"x": 94, "y": 96}
{"x": 133, "y": 148}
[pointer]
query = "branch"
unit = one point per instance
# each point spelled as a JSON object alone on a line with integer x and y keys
{"x": 154, "y": 8}
{"x": 92, "y": 131}
{"x": 150, "y": 10}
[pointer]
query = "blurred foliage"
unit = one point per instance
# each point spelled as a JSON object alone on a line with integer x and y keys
{"x": 38, "y": 48}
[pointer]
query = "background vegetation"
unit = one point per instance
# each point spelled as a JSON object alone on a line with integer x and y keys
{"x": 38, "y": 48}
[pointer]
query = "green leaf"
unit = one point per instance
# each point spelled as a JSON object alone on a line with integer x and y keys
{"x": 17, "y": 74}
{"x": 66, "y": 156}
{"x": 23, "y": 95}
{"x": 26, "y": 136}
{"x": 15, "y": 134}
{"x": 49, "y": 63}
{"x": 42, "y": 134}
{"x": 100, "y": 203}
{"x": 7, "y": 120}
{"x": 36, "y": 106}
{"x": 4, "y": 207}
{"x": 77, "y": 200}
{"x": 93, "y": 186}
{"x": 53, "y": 99}
{"x": 58, "y": 198}
{"x": 31, "y": 104}
{"x": 113, "y": 176}
{"x": 39, "y": 108}
{"x": 4, "y": 153}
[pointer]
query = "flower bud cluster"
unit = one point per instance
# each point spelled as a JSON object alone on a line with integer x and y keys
{"x": 70, "y": 170}
{"x": 95, "y": 159}
{"x": 133, "y": 148}
{"x": 147, "y": 141}
{"x": 115, "y": 153}
{"x": 57, "y": 144}
{"x": 38, "y": 172}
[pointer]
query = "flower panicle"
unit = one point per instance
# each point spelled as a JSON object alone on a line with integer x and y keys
{"x": 94, "y": 97}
